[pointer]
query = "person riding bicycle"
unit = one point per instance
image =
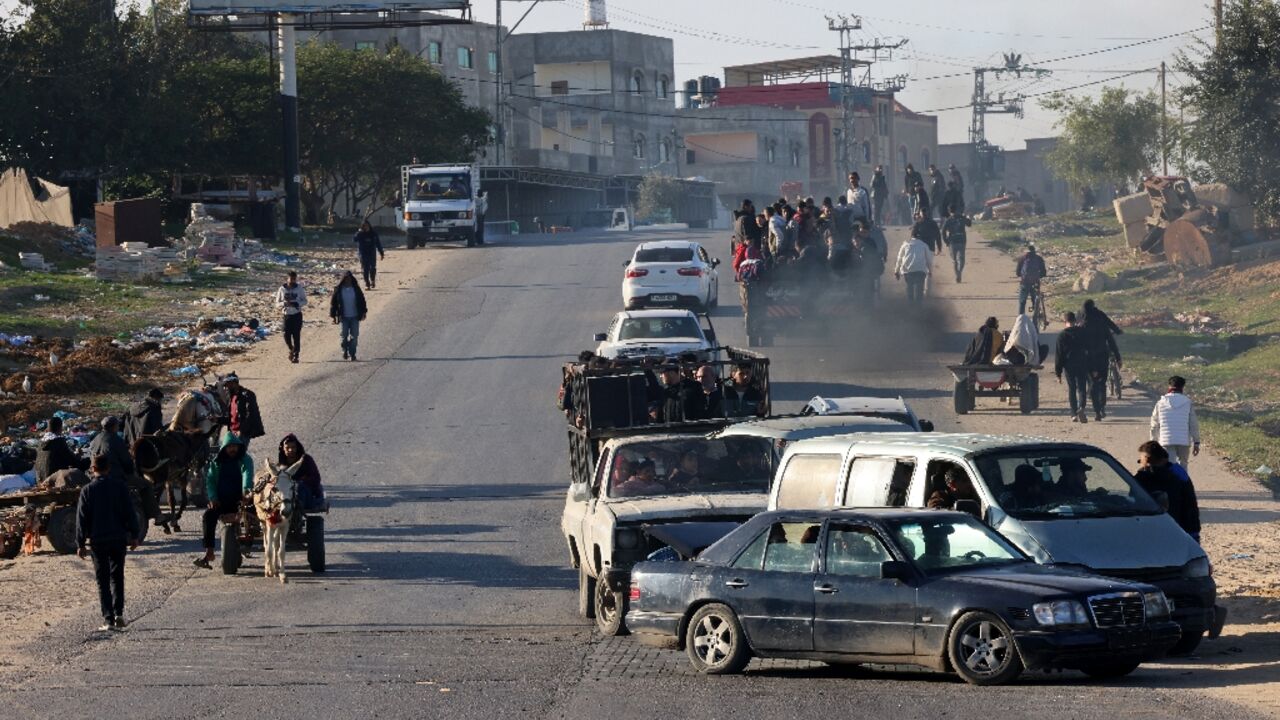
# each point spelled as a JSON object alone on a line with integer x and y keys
{"x": 1031, "y": 270}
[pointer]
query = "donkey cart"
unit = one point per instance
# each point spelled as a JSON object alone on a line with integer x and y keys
{"x": 999, "y": 381}
{"x": 242, "y": 529}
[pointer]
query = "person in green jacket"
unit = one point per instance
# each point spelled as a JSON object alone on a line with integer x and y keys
{"x": 228, "y": 478}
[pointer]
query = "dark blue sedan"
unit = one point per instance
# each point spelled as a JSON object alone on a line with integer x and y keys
{"x": 921, "y": 587}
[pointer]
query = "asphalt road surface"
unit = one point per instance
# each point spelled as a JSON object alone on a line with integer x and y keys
{"x": 449, "y": 592}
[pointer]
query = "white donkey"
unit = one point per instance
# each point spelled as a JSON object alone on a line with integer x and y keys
{"x": 274, "y": 506}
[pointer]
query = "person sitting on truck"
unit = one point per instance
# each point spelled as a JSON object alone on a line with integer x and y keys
{"x": 741, "y": 396}
{"x": 711, "y": 397}
{"x": 679, "y": 398}
{"x": 956, "y": 487}
{"x": 643, "y": 482}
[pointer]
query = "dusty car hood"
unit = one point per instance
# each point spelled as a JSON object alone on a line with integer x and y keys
{"x": 672, "y": 346}
{"x": 1116, "y": 543}
{"x": 1038, "y": 580}
{"x": 677, "y": 506}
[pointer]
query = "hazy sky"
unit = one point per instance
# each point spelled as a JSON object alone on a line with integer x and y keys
{"x": 943, "y": 41}
{"x": 945, "y": 38}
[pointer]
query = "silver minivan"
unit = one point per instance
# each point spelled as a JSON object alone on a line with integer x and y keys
{"x": 1062, "y": 503}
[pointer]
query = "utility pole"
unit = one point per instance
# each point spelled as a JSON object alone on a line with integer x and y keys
{"x": 287, "y": 45}
{"x": 982, "y": 153}
{"x": 499, "y": 142}
{"x": 1217, "y": 21}
{"x": 1164, "y": 122}
{"x": 849, "y": 61}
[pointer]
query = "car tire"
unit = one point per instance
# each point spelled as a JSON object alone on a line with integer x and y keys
{"x": 1029, "y": 397}
{"x": 1110, "y": 670}
{"x": 1188, "y": 643}
{"x": 586, "y": 592}
{"x": 714, "y": 294}
{"x": 982, "y": 651}
{"x": 232, "y": 555}
{"x": 715, "y": 642}
{"x": 962, "y": 398}
{"x": 610, "y": 609}
{"x": 315, "y": 544}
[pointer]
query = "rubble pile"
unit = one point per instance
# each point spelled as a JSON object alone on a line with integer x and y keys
{"x": 214, "y": 241}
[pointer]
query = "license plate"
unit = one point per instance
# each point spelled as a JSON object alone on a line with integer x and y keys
{"x": 1126, "y": 639}
{"x": 663, "y": 298}
{"x": 439, "y": 230}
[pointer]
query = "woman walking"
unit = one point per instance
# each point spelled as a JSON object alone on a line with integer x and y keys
{"x": 347, "y": 307}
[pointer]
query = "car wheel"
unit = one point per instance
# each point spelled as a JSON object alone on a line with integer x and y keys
{"x": 982, "y": 650}
{"x": 1189, "y": 642}
{"x": 586, "y": 592}
{"x": 1110, "y": 670}
{"x": 714, "y": 302}
{"x": 610, "y": 610}
{"x": 716, "y": 644}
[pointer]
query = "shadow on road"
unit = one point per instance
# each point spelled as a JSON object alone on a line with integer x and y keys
{"x": 373, "y": 497}
{"x": 482, "y": 570}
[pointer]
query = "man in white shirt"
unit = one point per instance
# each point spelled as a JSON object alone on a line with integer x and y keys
{"x": 858, "y": 200}
{"x": 291, "y": 298}
{"x": 1174, "y": 424}
{"x": 915, "y": 262}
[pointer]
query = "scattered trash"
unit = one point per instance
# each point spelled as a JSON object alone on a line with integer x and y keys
{"x": 1240, "y": 556}
{"x": 41, "y": 298}
{"x": 185, "y": 371}
{"x": 1263, "y": 470}
{"x": 1194, "y": 360}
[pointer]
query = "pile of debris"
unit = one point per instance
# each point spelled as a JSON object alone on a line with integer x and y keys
{"x": 136, "y": 261}
{"x": 214, "y": 241}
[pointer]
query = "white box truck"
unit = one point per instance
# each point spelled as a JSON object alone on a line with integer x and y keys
{"x": 438, "y": 202}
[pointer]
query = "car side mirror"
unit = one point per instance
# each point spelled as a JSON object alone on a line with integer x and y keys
{"x": 626, "y": 263}
{"x": 973, "y": 507}
{"x": 601, "y": 337}
{"x": 715, "y": 262}
{"x": 895, "y": 570}
{"x": 926, "y": 426}
{"x": 580, "y": 492}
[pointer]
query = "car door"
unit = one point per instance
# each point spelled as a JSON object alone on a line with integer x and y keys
{"x": 580, "y": 516}
{"x": 877, "y": 481}
{"x": 855, "y": 611}
{"x": 770, "y": 587}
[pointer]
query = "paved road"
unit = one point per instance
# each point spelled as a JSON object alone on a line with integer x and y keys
{"x": 449, "y": 594}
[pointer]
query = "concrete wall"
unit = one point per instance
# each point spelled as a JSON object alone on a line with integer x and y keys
{"x": 1022, "y": 168}
{"x": 582, "y": 78}
{"x": 772, "y": 140}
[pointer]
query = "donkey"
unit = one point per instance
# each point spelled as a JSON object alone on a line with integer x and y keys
{"x": 274, "y": 506}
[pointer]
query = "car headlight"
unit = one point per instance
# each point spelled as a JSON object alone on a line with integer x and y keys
{"x": 1158, "y": 606}
{"x": 464, "y": 215}
{"x": 1197, "y": 568}
{"x": 1060, "y": 612}
{"x": 626, "y": 539}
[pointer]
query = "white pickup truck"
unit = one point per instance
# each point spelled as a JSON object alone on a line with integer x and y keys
{"x": 669, "y": 493}
{"x": 438, "y": 203}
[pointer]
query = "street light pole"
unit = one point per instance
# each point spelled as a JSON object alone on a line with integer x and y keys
{"x": 286, "y": 44}
{"x": 499, "y": 131}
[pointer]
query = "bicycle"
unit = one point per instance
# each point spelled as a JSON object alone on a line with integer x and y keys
{"x": 1115, "y": 383}
{"x": 1039, "y": 315}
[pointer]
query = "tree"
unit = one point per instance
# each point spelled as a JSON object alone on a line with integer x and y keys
{"x": 364, "y": 113}
{"x": 1232, "y": 96}
{"x": 660, "y": 196}
{"x": 1114, "y": 139}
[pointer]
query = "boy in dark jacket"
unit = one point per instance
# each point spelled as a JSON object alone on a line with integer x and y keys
{"x": 369, "y": 247}
{"x": 243, "y": 416}
{"x": 227, "y": 479}
{"x": 144, "y": 417}
{"x": 310, "y": 490}
{"x": 1178, "y": 496}
{"x": 55, "y": 454}
{"x": 1072, "y": 357}
{"x": 106, "y": 522}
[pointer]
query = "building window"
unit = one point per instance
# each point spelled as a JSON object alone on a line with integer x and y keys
{"x": 883, "y": 117}
{"x": 433, "y": 52}
{"x": 924, "y": 157}
{"x": 690, "y": 157}
{"x": 637, "y": 82}
{"x": 466, "y": 58}
{"x": 559, "y": 87}
{"x": 664, "y": 151}
{"x": 795, "y": 156}
{"x": 771, "y": 152}
{"x": 866, "y": 151}
{"x": 638, "y": 149}
{"x": 493, "y": 62}
{"x": 366, "y": 46}
{"x": 664, "y": 86}
{"x": 903, "y": 158}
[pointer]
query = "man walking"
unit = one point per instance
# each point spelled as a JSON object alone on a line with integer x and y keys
{"x": 107, "y": 524}
{"x": 915, "y": 262}
{"x": 243, "y": 416}
{"x": 291, "y": 298}
{"x": 1031, "y": 270}
{"x": 1174, "y": 424}
{"x": 482, "y": 209}
{"x": 879, "y": 194}
{"x": 347, "y": 306}
{"x": 956, "y": 239}
{"x": 937, "y": 190}
{"x": 858, "y": 199}
{"x": 369, "y": 247}
{"x": 1072, "y": 358}
{"x": 110, "y": 445}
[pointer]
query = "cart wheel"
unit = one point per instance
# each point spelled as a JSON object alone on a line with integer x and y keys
{"x": 1029, "y": 399}
{"x": 315, "y": 543}
{"x": 963, "y": 397}
{"x": 143, "y": 521}
{"x": 231, "y": 558}
{"x": 61, "y": 530}
{"x": 10, "y": 546}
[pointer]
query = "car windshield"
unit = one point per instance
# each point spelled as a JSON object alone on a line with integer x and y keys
{"x": 952, "y": 542}
{"x": 664, "y": 255}
{"x": 659, "y": 328}
{"x": 440, "y": 186}
{"x": 1062, "y": 483}
{"x": 692, "y": 466}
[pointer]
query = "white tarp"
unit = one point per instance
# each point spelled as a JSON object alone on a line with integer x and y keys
{"x": 19, "y": 204}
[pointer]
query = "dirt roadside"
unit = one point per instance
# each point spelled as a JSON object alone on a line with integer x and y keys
{"x": 1241, "y": 518}
{"x": 48, "y": 603}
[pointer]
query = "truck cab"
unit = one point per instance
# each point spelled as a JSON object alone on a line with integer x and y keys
{"x": 438, "y": 203}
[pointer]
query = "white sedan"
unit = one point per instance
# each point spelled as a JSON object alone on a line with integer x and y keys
{"x": 649, "y": 333}
{"x": 671, "y": 273}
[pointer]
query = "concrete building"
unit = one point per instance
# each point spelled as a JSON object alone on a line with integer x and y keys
{"x": 747, "y": 151}
{"x": 1017, "y": 168}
